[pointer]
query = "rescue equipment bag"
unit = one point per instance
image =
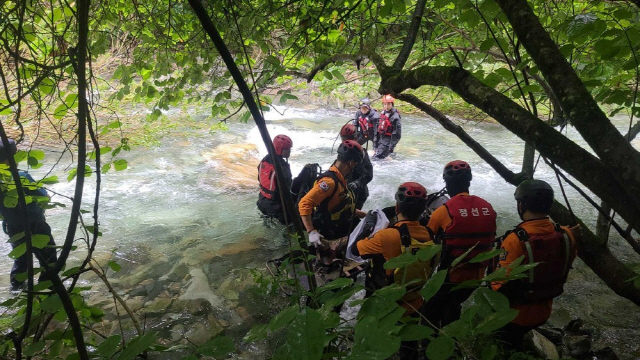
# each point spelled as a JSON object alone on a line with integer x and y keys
{"x": 545, "y": 281}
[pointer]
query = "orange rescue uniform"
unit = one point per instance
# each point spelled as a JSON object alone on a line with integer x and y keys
{"x": 387, "y": 243}
{"x": 440, "y": 220}
{"x": 535, "y": 313}
{"x": 322, "y": 189}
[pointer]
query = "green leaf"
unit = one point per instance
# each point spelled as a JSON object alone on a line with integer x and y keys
{"x": 34, "y": 348}
{"x": 486, "y": 255}
{"x": 18, "y": 251}
{"x": 51, "y": 304}
{"x": 16, "y": 237}
{"x": 336, "y": 284}
{"x": 60, "y": 111}
{"x": 433, "y": 285}
{"x": 284, "y": 317}
{"x": 53, "y": 179}
{"x": 372, "y": 342}
{"x": 38, "y": 154}
{"x": 120, "y": 164}
{"x": 495, "y": 321}
{"x": 70, "y": 100}
{"x": 114, "y": 266}
{"x": 393, "y": 292}
{"x": 426, "y": 254}
{"x": 399, "y": 6}
{"x": 487, "y": 44}
{"x": 39, "y": 240}
{"x": 490, "y": 300}
{"x": 441, "y": 348}
{"x": 385, "y": 10}
{"x": 137, "y": 346}
{"x": 258, "y": 332}
{"x": 218, "y": 347}
{"x": 305, "y": 336}
{"x": 413, "y": 332}
{"x": 400, "y": 261}
{"x": 109, "y": 346}
{"x": 462, "y": 257}
{"x": 489, "y": 352}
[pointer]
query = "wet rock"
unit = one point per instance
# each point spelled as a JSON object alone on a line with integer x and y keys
{"x": 143, "y": 288}
{"x": 178, "y": 273}
{"x": 228, "y": 289}
{"x": 553, "y": 334}
{"x": 200, "y": 333}
{"x": 135, "y": 303}
{"x": 177, "y": 332}
{"x": 158, "y": 306}
{"x": 243, "y": 313}
{"x": 578, "y": 345}
{"x": 194, "y": 307}
{"x": 605, "y": 354}
{"x": 175, "y": 288}
{"x": 540, "y": 345}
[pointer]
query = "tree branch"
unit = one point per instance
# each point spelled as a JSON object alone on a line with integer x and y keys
{"x": 412, "y": 33}
{"x": 585, "y": 167}
{"x": 357, "y": 58}
{"x": 578, "y": 104}
{"x": 502, "y": 170}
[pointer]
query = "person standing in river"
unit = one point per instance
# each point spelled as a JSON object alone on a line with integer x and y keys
{"x": 366, "y": 121}
{"x": 362, "y": 174}
{"x": 389, "y": 129}
{"x": 465, "y": 221}
{"x": 328, "y": 208}
{"x": 541, "y": 241}
{"x": 269, "y": 201}
{"x": 14, "y": 223}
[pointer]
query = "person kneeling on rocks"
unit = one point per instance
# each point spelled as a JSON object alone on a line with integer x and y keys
{"x": 538, "y": 240}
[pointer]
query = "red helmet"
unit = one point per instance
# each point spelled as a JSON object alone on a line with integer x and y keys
{"x": 457, "y": 170}
{"x": 281, "y": 142}
{"x": 411, "y": 192}
{"x": 388, "y": 99}
{"x": 348, "y": 131}
{"x": 350, "y": 150}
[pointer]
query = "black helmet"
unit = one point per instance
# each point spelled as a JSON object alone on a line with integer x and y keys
{"x": 350, "y": 150}
{"x": 534, "y": 195}
{"x": 457, "y": 171}
{"x": 365, "y": 102}
{"x": 12, "y": 150}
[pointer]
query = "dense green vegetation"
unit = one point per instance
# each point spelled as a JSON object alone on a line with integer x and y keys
{"x": 529, "y": 65}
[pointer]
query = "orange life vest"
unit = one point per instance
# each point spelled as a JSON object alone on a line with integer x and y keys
{"x": 473, "y": 223}
{"x": 552, "y": 252}
{"x": 267, "y": 178}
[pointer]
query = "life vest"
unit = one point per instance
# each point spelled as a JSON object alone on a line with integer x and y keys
{"x": 334, "y": 223}
{"x": 384, "y": 125}
{"x": 363, "y": 122}
{"x": 267, "y": 179}
{"x": 473, "y": 224}
{"x": 545, "y": 281}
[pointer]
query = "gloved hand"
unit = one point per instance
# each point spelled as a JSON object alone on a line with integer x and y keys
{"x": 314, "y": 237}
{"x": 354, "y": 185}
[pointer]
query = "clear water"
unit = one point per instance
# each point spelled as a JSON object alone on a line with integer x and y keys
{"x": 191, "y": 200}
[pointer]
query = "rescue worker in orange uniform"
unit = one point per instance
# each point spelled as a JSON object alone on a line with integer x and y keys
{"x": 539, "y": 240}
{"x": 363, "y": 173}
{"x": 389, "y": 130}
{"x": 407, "y": 234}
{"x": 366, "y": 121}
{"x": 269, "y": 202}
{"x": 462, "y": 222}
{"x": 328, "y": 208}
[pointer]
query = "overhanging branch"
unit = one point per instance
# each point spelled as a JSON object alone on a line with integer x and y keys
{"x": 412, "y": 33}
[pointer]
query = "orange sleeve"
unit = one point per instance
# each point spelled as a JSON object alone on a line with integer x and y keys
{"x": 372, "y": 245}
{"x": 513, "y": 250}
{"x": 440, "y": 219}
{"x": 322, "y": 189}
{"x": 573, "y": 233}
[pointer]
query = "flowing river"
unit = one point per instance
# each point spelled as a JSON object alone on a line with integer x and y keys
{"x": 182, "y": 222}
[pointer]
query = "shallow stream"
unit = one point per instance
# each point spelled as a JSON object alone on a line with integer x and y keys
{"x": 182, "y": 220}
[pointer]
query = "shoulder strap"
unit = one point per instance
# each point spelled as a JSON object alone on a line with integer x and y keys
{"x": 522, "y": 234}
{"x": 405, "y": 237}
{"x": 334, "y": 177}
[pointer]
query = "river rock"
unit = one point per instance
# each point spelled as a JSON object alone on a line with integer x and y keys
{"x": 540, "y": 345}
{"x": 553, "y": 334}
{"x": 578, "y": 345}
{"x": 200, "y": 333}
{"x": 194, "y": 307}
{"x": 228, "y": 289}
{"x": 158, "y": 306}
